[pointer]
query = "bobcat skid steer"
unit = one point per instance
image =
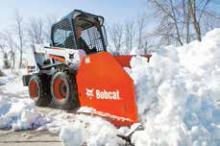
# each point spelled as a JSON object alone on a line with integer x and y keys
{"x": 77, "y": 71}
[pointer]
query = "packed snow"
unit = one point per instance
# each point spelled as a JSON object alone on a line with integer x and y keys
{"x": 178, "y": 94}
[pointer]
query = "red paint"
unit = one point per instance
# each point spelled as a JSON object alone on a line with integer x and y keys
{"x": 102, "y": 71}
{"x": 58, "y": 92}
{"x": 33, "y": 89}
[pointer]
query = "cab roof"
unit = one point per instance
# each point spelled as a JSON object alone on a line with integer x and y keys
{"x": 81, "y": 14}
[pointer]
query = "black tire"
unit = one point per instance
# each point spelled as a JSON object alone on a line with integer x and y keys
{"x": 38, "y": 91}
{"x": 64, "y": 91}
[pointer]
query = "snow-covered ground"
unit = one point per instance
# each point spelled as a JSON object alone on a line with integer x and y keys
{"x": 178, "y": 94}
{"x": 6, "y": 79}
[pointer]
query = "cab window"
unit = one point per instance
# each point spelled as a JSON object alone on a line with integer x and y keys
{"x": 63, "y": 35}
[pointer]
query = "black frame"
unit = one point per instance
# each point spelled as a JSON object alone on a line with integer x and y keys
{"x": 71, "y": 17}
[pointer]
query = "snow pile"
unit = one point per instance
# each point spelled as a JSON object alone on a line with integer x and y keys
{"x": 6, "y": 77}
{"x": 81, "y": 129}
{"x": 19, "y": 114}
{"x": 13, "y": 83}
{"x": 178, "y": 93}
{"x": 15, "y": 86}
{"x": 4, "y": 80}
{"x": 92, "y": 131}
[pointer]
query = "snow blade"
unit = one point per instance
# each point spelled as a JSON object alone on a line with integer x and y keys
{"x": 124, "y": 60}
{"x": 104, "y": 86}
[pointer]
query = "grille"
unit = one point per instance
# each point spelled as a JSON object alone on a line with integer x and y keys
{"x": 93, "y": 38}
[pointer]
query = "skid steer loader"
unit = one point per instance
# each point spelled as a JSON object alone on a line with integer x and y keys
{"x": 77, "y": 71}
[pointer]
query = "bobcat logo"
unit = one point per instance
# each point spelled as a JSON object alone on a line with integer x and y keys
{"x": 90, "y": 93}
{"x": 103, "y": 94}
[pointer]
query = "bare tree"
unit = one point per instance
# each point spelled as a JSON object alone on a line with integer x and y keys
{"x": 166, "y": 10}
{"x": 116, "y": 36}
{"x": 212, "y": 17}
{"x": 49, "y": 21}
{"x": 175, "y": 20}
{"x": 140, "y": 27}
{"x": 36, "y": 31}
{"x": 180, "y": 16}
{"x": 195, "y": 7}
{"x": 11, "y": 45}
{"x": 129, "y": 35}
{"x": 4, "y": 51}
{"x": 186, "y": 18}
{"x": 193, "y": 16}
{"x": 20, "y": 33}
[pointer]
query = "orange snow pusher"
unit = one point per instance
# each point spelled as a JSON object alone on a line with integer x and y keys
{"x": 75, "y": 70}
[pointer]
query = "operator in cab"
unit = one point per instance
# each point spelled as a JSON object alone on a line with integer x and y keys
{"x": 82, "y": 43}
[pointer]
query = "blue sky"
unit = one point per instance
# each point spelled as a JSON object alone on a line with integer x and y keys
{"x": 112, "y": 10}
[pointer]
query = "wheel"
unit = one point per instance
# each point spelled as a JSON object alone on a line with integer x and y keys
{"x": 64, "y": 91}
{"x": 38, "y": 91}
